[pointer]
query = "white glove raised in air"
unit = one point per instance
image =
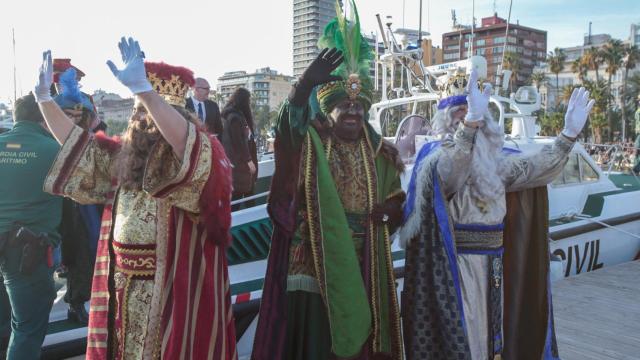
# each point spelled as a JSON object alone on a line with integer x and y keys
{"x": 42, "y": 90}
{"x": 133, "y": 76}
{"x": 577, "y": 112}
{"x": 477, "y": 101}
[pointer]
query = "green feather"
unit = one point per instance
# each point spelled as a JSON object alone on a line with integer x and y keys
{"x": 344, "y": 34}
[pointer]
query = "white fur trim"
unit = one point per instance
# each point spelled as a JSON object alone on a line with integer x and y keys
{"x": 412, "y": 226}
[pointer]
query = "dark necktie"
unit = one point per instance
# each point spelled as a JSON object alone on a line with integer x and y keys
{"x": 200, "y": 114}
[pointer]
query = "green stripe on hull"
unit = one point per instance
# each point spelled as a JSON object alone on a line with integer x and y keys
{"x": 251, "y": 242}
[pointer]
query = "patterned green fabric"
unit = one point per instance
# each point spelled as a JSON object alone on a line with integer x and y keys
{"x": 345, "y": 293}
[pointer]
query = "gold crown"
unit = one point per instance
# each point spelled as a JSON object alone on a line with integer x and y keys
{"x": 170, "y": 82}
{"x": 457, "y": 84}
{"x": 174, "y": 90}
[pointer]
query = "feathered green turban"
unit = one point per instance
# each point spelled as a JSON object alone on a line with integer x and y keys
{"x": 344, "y": 34}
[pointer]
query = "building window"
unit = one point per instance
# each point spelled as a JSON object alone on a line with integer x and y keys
{"x": 480, "y": 42}
{"x": 499, "y": 40}
{"x": 453, "y": 56}
{"x": 452, "y": 47}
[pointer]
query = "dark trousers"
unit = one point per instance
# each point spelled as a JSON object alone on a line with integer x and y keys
{"x": 31, "y": 298}
{"x": 79, "y": 273}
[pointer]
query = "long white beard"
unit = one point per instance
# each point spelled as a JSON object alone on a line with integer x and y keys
{"x": 487, "y": 163}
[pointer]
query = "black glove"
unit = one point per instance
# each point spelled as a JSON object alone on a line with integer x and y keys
{"x": 317, "y": 73}
{"x": 389, "y": 212}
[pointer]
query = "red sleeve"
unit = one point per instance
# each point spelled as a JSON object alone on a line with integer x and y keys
{"x": 215, "y": 201}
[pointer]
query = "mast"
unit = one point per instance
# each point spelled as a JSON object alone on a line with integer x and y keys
{"x": 420, "y": 27}
{"x": 13, "y": 37}
{"x": 473, "y": 25}
{"x": 506, "y": 36}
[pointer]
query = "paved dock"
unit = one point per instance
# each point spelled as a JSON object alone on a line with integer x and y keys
{"x": 597, "y": 314}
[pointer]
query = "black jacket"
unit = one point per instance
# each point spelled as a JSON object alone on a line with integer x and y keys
{"x": 213, "y": 122}
{"x": 240, "y": 147}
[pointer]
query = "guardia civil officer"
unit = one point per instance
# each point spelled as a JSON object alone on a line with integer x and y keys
{"x": 29, "y": 219}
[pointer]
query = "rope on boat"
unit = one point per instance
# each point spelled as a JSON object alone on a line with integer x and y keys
{"x": 506, "y": 36}
{"x": 589, "y": 218}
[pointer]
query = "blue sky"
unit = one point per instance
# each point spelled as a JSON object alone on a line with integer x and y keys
{"x": 215, "y": 36}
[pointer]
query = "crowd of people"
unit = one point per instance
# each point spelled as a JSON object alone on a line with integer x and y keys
{"x": 146, "y": 220}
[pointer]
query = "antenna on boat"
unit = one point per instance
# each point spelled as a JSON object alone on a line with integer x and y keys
{"x": 403, "y": 11}
{"x": 420, "y": 27}
{"x": 429, "y": 16}
{"x": 506, "y": 36}
{"x": 382, "y": 33}
{"x": 13, "y": 38}
{"x": 473, "y": 25}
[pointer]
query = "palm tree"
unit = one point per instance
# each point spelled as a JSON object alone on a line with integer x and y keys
{"x": 556, "y": 60}
{"x": 218, "y": 98}
{"x": 629, "y": 61}
{"x": 612, "y": 53}
{"x": 537, "y": 79}
{"x": 600, "y": 93}
{"x": 567, "y": 90}
{"x": 580, "y": 67}
{"x": 513, "y": 63}
{"x": 593, "y": 58}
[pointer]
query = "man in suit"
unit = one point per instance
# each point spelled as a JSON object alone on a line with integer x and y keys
{"x": 206, "y": 110}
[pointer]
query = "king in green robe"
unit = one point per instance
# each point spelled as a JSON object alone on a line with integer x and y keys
{"x": 335, "y": 199}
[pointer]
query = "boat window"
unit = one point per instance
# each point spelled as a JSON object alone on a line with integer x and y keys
{"x": 588, "y": 172}
{"x": 571, "y": 172}
{"x": 411, "y": 126}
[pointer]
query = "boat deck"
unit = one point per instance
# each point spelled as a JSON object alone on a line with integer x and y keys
{"x": 597, "y": 314}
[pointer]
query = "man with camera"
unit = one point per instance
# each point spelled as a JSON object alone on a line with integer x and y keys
{"x": 29, "y": 219}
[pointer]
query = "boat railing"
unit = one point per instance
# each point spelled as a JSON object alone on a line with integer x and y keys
{"x": 250, "y": 198}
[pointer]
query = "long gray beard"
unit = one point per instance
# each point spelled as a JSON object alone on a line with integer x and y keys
{"x": 487, "y": 163}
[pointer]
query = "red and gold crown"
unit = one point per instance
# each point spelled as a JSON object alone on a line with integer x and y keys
{"x": 171, "y": 82}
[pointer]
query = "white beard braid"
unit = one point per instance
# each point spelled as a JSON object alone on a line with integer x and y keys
{"x": 487, "y": 163}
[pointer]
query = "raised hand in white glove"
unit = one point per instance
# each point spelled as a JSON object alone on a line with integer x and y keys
{"x": 577, "y": 112}
{"x": 477, "y": 101}
{"x": 133, "y": 76}
{"x": 42, "y": 90}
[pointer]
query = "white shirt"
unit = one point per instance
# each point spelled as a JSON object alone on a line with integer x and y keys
{"x": 195, "y": 108}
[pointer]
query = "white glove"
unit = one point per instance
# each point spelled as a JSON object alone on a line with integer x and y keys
{"x": 133, "y": 76}
{"x": 577, "y": 112}
{"x": 477, "y": 101}
{"x": 42, "y": 90}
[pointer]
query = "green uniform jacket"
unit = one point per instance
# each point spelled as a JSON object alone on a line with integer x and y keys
{"x": 26, "y": 154}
